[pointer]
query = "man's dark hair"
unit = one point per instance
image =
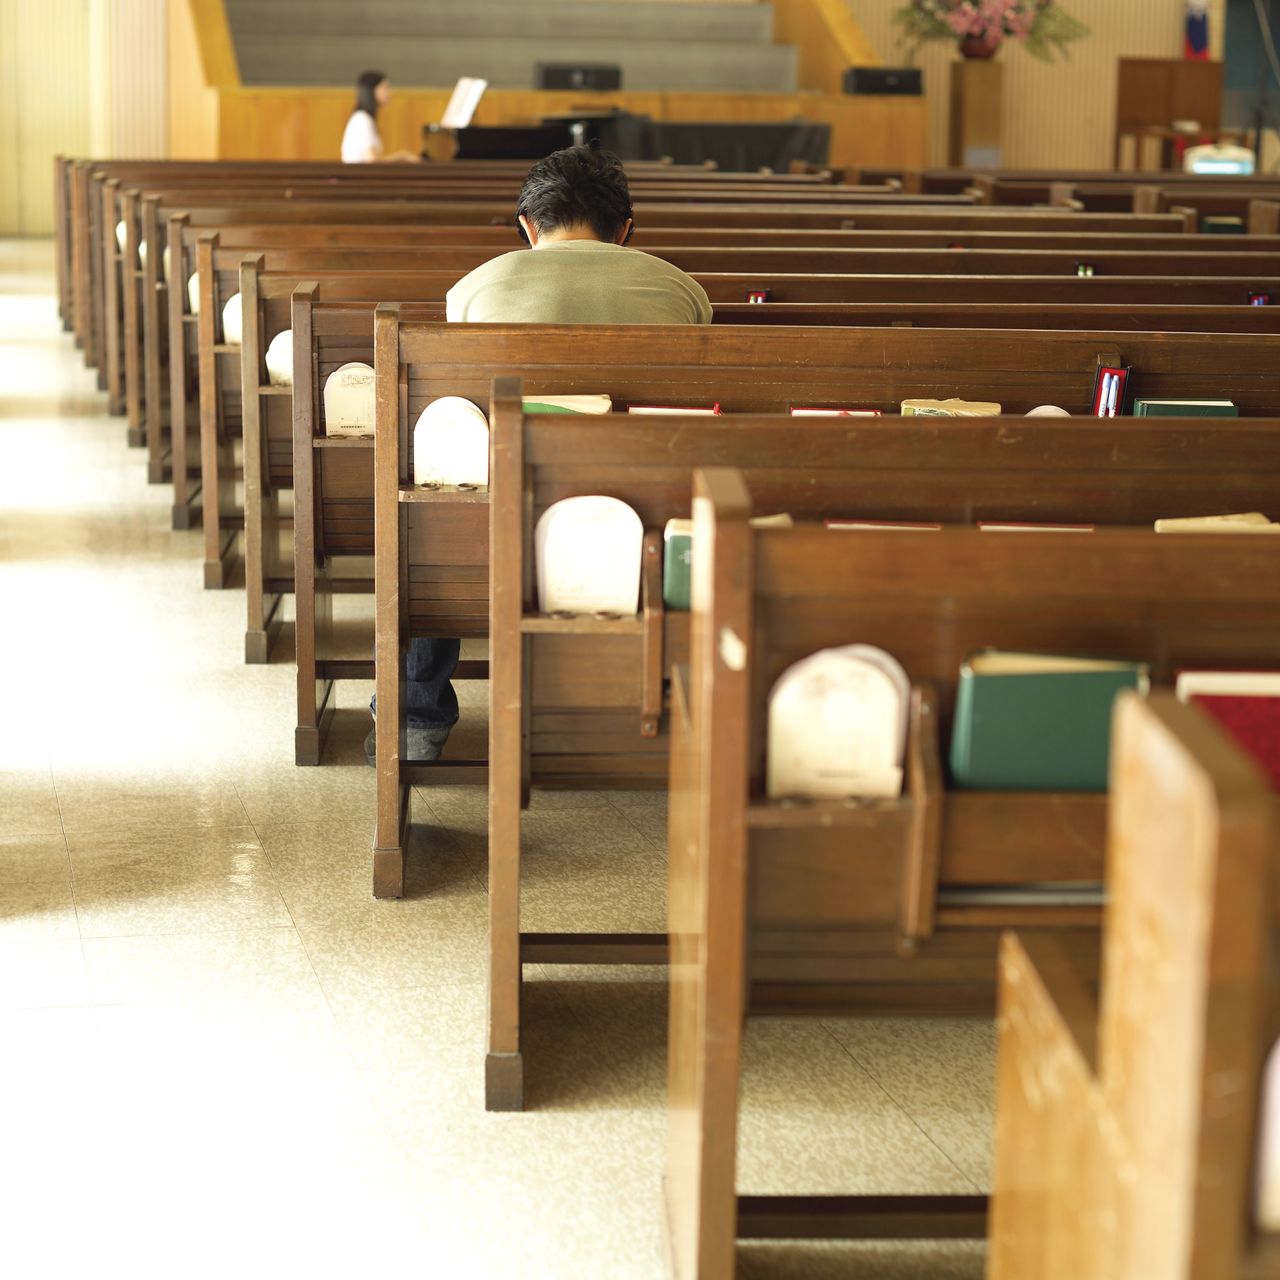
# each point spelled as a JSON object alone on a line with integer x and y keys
{"x": 366, "y": 83}
{"x": 577, "y": 186}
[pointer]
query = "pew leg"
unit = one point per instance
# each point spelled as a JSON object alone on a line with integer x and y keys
{"x": 258, "y": 641}
{"x": 186, "y": 515}
{"x": 157, "y": 471}
{"x": 504, "y": 1082}
{"x": 312, "y": 628}
{"x": 217, "y": 572}
{"x": 388, "y": 873}
{"x": 136, "y": 437}
{"x": 388, "y": 859}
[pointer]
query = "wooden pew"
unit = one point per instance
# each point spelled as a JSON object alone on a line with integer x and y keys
{"x": 1126, "y": 1133}
{"x": 338, "y": 314}
{"x": 87, "y": 230}
{"x": 329, "y": 188}
{"x": 876, "y": 368}
{"x": 337, "y": 185}
{"x": 219, "y": 398}
{"x": 817, "y": 906}
{"x": 151, "y": 403}
{"x": 622, "y": 755}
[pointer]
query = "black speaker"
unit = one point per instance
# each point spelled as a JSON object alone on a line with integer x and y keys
{"x": 571, "y": 75}
{"x": 884, "y": 80}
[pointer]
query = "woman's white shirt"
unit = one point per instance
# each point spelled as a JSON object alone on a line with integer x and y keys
{"x": 360, "y": 139}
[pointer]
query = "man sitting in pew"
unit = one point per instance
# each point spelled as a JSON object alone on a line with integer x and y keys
{"x": 575, "y": 213}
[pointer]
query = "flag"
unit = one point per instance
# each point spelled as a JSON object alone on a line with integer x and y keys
{"x": 1198, "y": 30}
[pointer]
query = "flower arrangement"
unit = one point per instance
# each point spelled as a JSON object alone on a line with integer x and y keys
{"x": 982, "y": 26}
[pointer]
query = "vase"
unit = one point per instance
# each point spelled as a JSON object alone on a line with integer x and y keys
{"x": 979, "y": 46}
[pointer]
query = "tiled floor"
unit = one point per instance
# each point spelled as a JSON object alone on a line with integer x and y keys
{"x": 219, "y": 1055}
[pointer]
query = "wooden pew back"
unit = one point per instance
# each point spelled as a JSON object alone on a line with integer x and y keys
{"x": 1144, "y": 1114}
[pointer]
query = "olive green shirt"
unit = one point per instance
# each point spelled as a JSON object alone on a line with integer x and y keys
{"x": 578, "y": 282}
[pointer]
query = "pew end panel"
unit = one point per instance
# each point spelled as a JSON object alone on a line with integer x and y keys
{"x": 813, "y": 943}
{"x": 183, "y": 374}
{"x": 1149, "y": 1105}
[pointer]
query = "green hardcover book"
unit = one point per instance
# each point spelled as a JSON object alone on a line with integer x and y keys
{"x": 677, "y": 559}
{"x": 1185, "y": 409}
{"x": 1036, "y": 722}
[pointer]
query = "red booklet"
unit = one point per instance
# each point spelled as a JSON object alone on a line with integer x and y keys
{"x": 1246, "y": 704}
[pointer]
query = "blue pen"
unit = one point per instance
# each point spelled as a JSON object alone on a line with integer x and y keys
{"x": 1104, "y": 394}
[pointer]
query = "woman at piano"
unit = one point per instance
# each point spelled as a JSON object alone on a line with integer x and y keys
{"x": 361, "y": 141}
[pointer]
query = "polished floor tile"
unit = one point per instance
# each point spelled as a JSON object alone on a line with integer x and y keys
{"x": 211, "y": 1030}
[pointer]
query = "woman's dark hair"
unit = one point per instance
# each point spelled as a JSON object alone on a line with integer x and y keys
{"x": 366, "y": 83}
{"x": 577, "y": 186}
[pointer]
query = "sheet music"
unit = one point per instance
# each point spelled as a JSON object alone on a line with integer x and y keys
{"x": 463, "y": 102}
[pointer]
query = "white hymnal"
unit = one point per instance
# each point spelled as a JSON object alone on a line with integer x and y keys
{"x": 166, "y": 259}
{"x": 588, "y": 553}
{"x": 280, "y": 359}
{"x": 193, "y": 294}
{"x": 349, "y": 400}
{"x": 142, "y": 253}
{"x": 451, "y": 443}
{"x": 122, "y": 234}
{"x": 232, "y": 320}
{"x": 838, "y": 726}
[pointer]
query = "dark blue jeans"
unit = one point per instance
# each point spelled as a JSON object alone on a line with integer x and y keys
{"x": 429, "y": 699}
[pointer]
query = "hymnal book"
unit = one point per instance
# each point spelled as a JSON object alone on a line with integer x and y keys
{"x": 279, "y": 359}
{"x": 349, "y": 400}
{"x": 1143, "y": 408}
{"x": 950, "y": 409}
{"x": 122, "y": 235}
{"x": 677, "y": 556}
{"x": 838, "y": 726}
{"x": 1036, "y": 722}
{"x": 193, "y": 294}
{"x": 1268, "y": 1204}
{"x": 1246, "y": 704}
{"x": 142, "y": 253}
{"x": 588, "y": 552}
{"x": 568, "y": 404}
{"x": 1241, "y": 522}
{"x": 166, "y": 258}
{"x": 835, "y": 413}
{"x": 670, "y": 408}
{"x": 232, "y": 320}
{"x": 930, "y": 525}
{"x": 1022, "y": 526}
{"x": 451, "y": 444}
